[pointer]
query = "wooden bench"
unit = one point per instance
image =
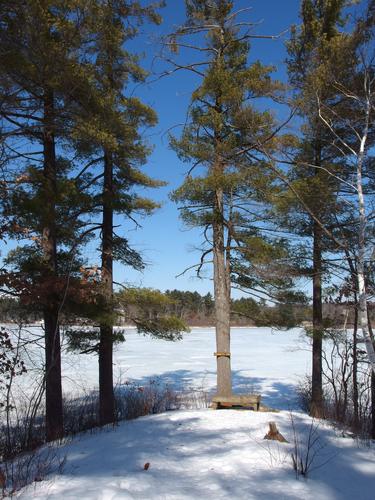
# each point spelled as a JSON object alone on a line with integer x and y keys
{"x": 245, "y": 401}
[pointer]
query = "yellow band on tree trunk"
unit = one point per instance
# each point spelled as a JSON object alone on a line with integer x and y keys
{"x": 222, "y": 354}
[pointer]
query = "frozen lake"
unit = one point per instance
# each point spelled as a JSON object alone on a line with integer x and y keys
{"x": 263, "y": 360}
{"x": 267, "y": 361}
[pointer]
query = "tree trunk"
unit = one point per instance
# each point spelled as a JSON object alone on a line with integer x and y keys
{"x": 355, "y": 367}
{"x": 54, "y": 407}
{"x": 372, "y": 405}
{"x": 106, "y": 394}
{"x": 222, "y": 301}
{"x": 372, "y": 429}
{"x": 316, "y": 409}
{"x": 362, "y": 312}
{"x": 361, "y": 268}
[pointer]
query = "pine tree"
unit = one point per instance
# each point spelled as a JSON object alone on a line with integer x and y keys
{"x": 229, "y": 175}
{"x": 118, "y": 23}
{"x": 309, "y": 49}
{"x": 112, "y": 134}
{"x": 42, "y": 87}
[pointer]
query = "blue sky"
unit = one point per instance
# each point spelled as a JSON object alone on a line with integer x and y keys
{"x": 167, "y": 246}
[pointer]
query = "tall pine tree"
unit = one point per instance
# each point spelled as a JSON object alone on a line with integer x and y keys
{"x": 112, "y": 134}
{"x": 43, "y": 87}
{"x": 115, "y": 67}
{"x": 222, "y": 193}
{"x": 309, "y": 49}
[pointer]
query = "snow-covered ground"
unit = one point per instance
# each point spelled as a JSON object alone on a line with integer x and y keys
{"x": 208, "y": 454}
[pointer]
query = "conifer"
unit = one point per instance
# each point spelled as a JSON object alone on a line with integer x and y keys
{"x": 316, "y": 158}
{"x": 224, "y": 141}
{"x": 43, "y": 86}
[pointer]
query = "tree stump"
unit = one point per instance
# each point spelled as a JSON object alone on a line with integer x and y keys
{"x": 274, "y": 434}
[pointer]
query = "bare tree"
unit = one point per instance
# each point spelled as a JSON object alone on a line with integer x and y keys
{"x": 360, "y": 97}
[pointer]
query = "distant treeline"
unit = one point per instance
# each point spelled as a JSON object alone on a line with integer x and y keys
{"x": 198, "y": 310}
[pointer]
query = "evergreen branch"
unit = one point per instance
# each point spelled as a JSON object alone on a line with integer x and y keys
{"x": 283, "y": 177}
{"x": 88, "y": 165}
{"x": 93, "y": 180}
{"x": 196, "y": 164}
{"x": 206, "y": 229}
{"x": 194, "y": 266}
{"x": 90, "y": 350}
{"x": 21, "y": 126}
{"x": 21, "y": 115}
{"x": 324, "y": 169}
{"x": 259, "y": 295}
{"x": 21, "y": 155}
{"x": 251, "y": 146}
{"x": 189, "y": 67}
{"x": 347, "y": 122}
{"x": 188, "y": 46}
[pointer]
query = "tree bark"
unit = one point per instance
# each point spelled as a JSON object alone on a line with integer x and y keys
{"x": 355, "y": 393}
{"x": 106, "y": 394}
{"x": 355, "y": 366}
{"x": 222, "y": 300}
{"x": 54, "y": 406}
{"x": 372, "y": 429}
{"x": 316, "y": 409}
{"x": 363, "y": 318}
{"x": 372, "y": 405}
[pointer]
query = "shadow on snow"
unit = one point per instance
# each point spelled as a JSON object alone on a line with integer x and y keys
{"x": 190, "y": 461}
{"x": 275, "y": 394}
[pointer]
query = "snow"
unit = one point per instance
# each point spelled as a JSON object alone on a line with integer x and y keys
{"x": 206, "y": 453}
{"x": 267, "y": 361}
